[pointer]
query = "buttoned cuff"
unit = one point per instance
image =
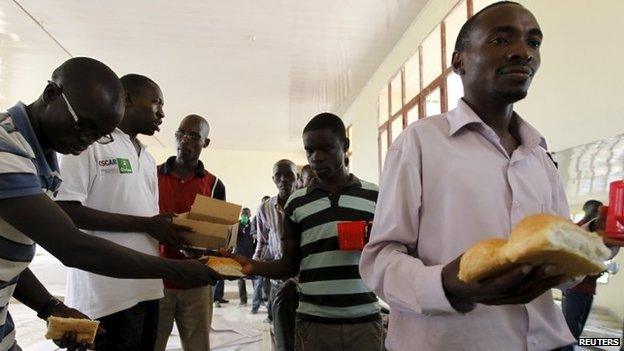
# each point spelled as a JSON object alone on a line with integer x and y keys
{"x": 430, "y": 293}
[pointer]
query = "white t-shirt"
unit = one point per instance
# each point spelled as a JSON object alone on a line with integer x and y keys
{"x": 112, "y": 178}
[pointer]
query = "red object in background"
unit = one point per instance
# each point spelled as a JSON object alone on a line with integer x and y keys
{"x": 615, "y": 214}
{"x": 352, "y": 236}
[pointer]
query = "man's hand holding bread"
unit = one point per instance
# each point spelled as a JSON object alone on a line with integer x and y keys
{"x": 542, "y": 252}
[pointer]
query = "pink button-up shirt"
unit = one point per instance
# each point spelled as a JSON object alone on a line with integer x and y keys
{"x": 447, "y": 183}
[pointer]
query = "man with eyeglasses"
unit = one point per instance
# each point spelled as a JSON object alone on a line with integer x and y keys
{"x": 30, "y": 136}
{"x": 180, "y": 179}
{"x": 111, "y": 190}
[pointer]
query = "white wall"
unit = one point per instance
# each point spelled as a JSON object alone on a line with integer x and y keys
{"x": 577, "y": 96}
{"x": 245, "y": 173}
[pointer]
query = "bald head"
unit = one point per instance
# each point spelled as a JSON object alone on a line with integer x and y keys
{"x": 95, "y": 91}
{"x": 285, "y": 178}
{"x": 192, "y": 138}
{"x": 83, "y": 103}
{"x": 285, "y": 163}
{"x": 198, "y": 121}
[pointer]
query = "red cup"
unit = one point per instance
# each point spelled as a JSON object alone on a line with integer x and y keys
{"x": 352, "y": 236}
{"x": 615, "y": 214}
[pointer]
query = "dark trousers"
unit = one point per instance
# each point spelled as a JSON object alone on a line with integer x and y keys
{"x": 284, "y": 316}
{"x": 576, "y": 307}
{"x": 242, "y": 290}
{"x": 266, "y": 295}
{"x": 219, "y": 290}
{"x": 130, "y": 330}
{"x": 366, "y": 336}
{"x": 266, "y": 288}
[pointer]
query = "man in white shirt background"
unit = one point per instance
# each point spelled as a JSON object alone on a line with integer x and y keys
{"x": 112, "y": 191}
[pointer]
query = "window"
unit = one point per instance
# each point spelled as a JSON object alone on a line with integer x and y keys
{"x": 432, "y": 57}
{"x": 454, "y": 90}
{"x": 383, "y": 106}
{"x": 425, "y": 85}
{"x": 397, "y": 94}
{"x": 453, "y": 23}
{"x": 412, "y": 77}
{"x": 432, "y": 103}
{"x": 412, "y": 115}
{"x": 383, "y": 147}
{"x": 397, "y": 127}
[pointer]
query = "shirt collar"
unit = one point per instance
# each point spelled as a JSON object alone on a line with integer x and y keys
{"x": 20, "y": 118}
{"x": 46, "y": 162}
{"x": 274, "y": 202}
{"x": 353, "y": 181}
{"x": 119, "y": 134}
{"x": 167, "y": 167}
{"x": 463, "y": 116}
{"x": 19, "y": 115}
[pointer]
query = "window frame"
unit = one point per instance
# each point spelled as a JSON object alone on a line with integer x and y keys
{"x": 419, "y": 100}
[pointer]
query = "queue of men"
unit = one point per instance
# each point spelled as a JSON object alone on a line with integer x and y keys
{"x": 111, "y": 218}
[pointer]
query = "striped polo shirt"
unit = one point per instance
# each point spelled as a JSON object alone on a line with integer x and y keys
{"x": 24, "y": 170}
{"x": 332, "y": 290}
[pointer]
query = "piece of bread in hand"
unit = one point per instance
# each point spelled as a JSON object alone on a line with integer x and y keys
{"x": 537, "y": 240}
{"x": 85, "y": 329}
{"x": 225, "y": 266}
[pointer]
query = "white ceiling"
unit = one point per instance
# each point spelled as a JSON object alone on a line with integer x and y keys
{"x": 257, "y": 70}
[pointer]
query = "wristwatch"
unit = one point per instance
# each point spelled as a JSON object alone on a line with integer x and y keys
{"x": 44, "y": 312}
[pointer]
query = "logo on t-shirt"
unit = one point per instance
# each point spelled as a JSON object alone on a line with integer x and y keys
{"x": 115, "y": 165}
{"x": 124, "y": 165}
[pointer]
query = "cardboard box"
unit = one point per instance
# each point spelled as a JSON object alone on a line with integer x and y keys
{"x": 215, "y": 223}
{"x": 215, "y": 211}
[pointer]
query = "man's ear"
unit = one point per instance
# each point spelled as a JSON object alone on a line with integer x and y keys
{"x": 129, "y": 101}
{"x": 51, "y": 92}
{"x": 206, "y": 143}
{"x": 457, "y": 63}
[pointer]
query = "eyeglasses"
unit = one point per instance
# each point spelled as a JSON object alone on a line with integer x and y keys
{"x": 86, "y": 130}
{"x": 180, "y": 134}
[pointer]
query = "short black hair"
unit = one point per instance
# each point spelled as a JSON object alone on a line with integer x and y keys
{"x": 135, "y": 83}
{"x": 330, "y": 122}
{"x": 591, "y": 206}
{"x": 464, "y": 33}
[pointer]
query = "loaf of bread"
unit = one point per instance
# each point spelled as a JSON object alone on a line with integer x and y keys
{"x": 85, "y": 329}
{"x": 225, "y": 266}
{"x": 537, "y": 240}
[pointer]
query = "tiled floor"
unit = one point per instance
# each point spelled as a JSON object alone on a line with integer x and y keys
{"x": 234, "y": 328}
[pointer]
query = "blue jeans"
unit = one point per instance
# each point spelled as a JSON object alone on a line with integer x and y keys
{"x": 257, "y": 293}
{"x": 219, "y": 290}
{"x": 576, "y": 307}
